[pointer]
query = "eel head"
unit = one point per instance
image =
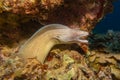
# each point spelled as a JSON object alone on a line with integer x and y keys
{"x": 73, "y": 36}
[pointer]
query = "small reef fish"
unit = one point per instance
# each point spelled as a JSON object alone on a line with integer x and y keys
{"x": 39, "y": 45}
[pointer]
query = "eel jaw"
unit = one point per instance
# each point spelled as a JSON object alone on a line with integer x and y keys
{"x": 73, "y": 36}
{"x": 79, "y": 39}
{"x": 83, "y": 37}
{"x": 79, "y": 36}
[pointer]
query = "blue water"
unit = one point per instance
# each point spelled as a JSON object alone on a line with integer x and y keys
{"x": 110, "y": 21}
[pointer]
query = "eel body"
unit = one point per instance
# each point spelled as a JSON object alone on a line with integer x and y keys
{"x": 39, "y": 45}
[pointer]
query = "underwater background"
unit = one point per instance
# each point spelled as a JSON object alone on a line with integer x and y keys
{"x": 111, "y": 21}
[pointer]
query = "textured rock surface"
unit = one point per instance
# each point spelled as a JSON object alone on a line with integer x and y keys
{"x": 78, "y": 13}
{"x": 63, "y": 63}
{"x": 19, "y": 19}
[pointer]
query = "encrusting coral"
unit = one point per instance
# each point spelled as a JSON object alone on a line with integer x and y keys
{"x": 63, "y": 62}
{"x": 82, "y": 14}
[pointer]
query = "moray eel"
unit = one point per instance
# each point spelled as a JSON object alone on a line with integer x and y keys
{"x": 39, "y": 45}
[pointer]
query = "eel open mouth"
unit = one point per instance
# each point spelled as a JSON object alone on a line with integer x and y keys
{"x": 82, "y": 37}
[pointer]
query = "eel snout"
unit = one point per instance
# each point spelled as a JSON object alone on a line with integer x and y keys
{"x": 81, "y": 36}
{"x": 73, "y": 36}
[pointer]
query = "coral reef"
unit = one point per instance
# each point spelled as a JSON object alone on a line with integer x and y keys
{"x": 20, "y": 19}
{"x": 78, "y": 13}
{"x": 109, "y": 42}
{"x": 63, "y": 63}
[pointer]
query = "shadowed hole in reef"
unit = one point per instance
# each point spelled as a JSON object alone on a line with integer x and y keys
{"x": 11, "y": 34}
{"x": 73, "y": 46}
{"x": 29, "y": 28}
